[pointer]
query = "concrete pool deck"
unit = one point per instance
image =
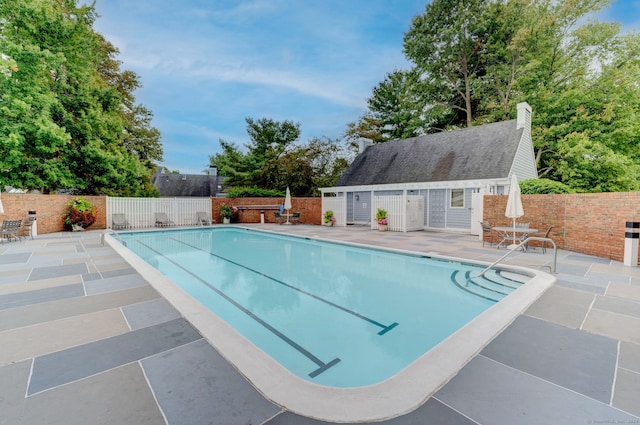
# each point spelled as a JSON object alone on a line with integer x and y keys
{"x": 86, "y": 339}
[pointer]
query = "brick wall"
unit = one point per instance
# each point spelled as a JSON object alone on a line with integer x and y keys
{"x": 49, "y": 210}
{"x": 592, "y": 224}
{"x": 309, "y": 208}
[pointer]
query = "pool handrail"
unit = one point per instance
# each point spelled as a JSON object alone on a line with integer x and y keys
{"x": 522, "y": 245}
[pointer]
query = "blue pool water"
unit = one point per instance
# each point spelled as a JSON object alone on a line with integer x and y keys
{"x": 333, "y": 314}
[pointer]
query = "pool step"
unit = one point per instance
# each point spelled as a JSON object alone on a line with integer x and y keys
{"x": 492, "y": 286}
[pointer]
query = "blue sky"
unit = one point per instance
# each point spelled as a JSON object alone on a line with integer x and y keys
{"x": 205, "y": 65}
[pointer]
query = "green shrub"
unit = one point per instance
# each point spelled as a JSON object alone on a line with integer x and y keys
{"x": 254, "y": 192}
{"x": 543, "y": 187}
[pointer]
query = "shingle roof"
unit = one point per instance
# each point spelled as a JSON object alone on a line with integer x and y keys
{"x": 482, "y": 152}
{"x": 185, "y": 184}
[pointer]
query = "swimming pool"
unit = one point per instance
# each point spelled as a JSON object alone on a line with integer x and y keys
{"x": 333, "y": 314}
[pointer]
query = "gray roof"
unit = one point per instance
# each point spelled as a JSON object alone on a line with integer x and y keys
{"x": 186, "y": 184}
{"x": 482, "y": 152}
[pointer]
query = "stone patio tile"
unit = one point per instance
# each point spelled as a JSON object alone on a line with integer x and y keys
{"x": 23, "y": 343}
{"x": 573, "y": 359}
{"x": 38, "y": 296}
{"x": 57, "y": 271}
{"x": 24, "y": 286}
{"x": 604, "y": 277}
{"x": 149, "y": 313}
{"x": 572, "y": 256}
{"x": 119, "y": 271}
{"x": 614, "y": 325}
{"x": 9, "y": 277}
{"x": 114, "y": 283}
{"x": 564, "y": 306}
{"x": 433, "y": 412}
{"x": 118, "y": 397}
{"x": 615, "y": 269}
{"x": 599, "y": 289}
{"x": 39, "y": 313}
{"x": 14, "y": 258}
{"x": 627, "y": 392}
{"x": 492, "y": 393}
{"x": 629, "y": 356}
{"x": 194, "y": 385}
{"x": 618, "y": 305}
{"x": 572, "y": 269}
{"x": 79, "y": 362}
{"x": 628, "y": 292}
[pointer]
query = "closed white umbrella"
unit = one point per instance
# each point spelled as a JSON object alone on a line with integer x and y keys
{"x": 287, "y": 203}
{"x": 514, "y": 203}
{"x": 1, "y": 207}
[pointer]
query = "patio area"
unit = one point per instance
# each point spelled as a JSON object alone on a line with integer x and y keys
{"x": 86, "y": 339}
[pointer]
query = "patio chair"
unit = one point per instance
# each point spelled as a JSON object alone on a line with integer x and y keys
{"x": 544, "y": 235}
{"x": 119, "y": 222}
{"x": 163, "y": 221}
{"x": 202, "y": 218}
{"x": 487, "y": 233}
{"x": 295, "y": 218}
{"x": 10, "y": 229}
{"x": 279, "y": 218}
{"x": 26, "y": 229}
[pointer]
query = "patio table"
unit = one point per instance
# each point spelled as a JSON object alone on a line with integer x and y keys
{"x": 508, "y": 233}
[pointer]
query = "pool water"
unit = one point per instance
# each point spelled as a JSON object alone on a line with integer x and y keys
{"x": 333, "y": 314}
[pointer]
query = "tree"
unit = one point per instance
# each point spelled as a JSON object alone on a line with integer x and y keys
{"x": 65, "y": 124}
{"x": 274, "y": 161}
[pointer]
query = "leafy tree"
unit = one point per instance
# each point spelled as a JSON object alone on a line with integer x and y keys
{"x": 543, "y": 186}
{"x": 273, "y": 161}
{"x": 65, "y": 123}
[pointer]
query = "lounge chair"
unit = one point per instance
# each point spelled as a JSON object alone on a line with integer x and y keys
{"x": 203, "y": 219}
{"x": 10, "y": 229}
{"x": 163, "y": 221}
{"x": 26, "y": 229}
{"x": 119, "y": 222}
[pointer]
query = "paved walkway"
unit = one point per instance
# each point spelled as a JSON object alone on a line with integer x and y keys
{"x": 86, "y": 340}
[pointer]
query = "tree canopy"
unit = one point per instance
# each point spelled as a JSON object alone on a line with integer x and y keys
{"x": 68, "y": 117}
{"x": 274, "y": 159}
{"x": 474, "y": 60}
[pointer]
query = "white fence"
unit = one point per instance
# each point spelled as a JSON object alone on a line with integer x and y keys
{"x": 337, "y": 204}
{"x": 140, "y": 213}
{"x": 404, "y": 213}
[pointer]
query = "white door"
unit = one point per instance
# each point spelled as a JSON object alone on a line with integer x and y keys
{"x": 477, "y": 206}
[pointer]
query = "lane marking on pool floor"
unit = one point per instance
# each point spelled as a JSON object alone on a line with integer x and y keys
{"x": 322, "y": 366}
{"x": 385, "y": 328}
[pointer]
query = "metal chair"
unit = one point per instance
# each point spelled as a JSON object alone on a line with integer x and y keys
{"x": 26, "y": 229}
{"x": 162, "y": 220}
{"x": 544, "y": 235}
{"x": 487, "y": 233}
{"x": 279, "y": 218}
{"x": 203, "y": 219}
{"x": 295, "y": 218}
{"x": 119, "y": 222}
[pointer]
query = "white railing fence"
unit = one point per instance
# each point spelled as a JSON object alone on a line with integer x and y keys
{"x": 140, "y": 212}
{"x": 404, "y": 213}
{"x": 337, "y": 204}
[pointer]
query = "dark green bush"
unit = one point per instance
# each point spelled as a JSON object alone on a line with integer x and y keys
{"x": 254, "y": 192}
{"x": 543, "y": 187}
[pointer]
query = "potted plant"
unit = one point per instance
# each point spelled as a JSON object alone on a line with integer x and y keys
{"x": 329, "y": 218}
{"x": 79, "y": 215}
{"x": 226, "y": 212}
{"x": 381, "y": 218}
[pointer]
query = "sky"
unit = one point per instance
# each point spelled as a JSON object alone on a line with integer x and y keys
{"x": 206, "y": 65}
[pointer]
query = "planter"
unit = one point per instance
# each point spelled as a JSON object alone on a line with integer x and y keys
{"x": 226, "y": 220}
{"x": 382, "y": 227}
{"x": 329, "y": 224}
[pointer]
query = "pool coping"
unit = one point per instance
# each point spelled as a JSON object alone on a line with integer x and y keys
{"x": 396, "y": 396}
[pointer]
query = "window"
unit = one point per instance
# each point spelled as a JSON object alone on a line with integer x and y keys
{"x": 457, "y": 198}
